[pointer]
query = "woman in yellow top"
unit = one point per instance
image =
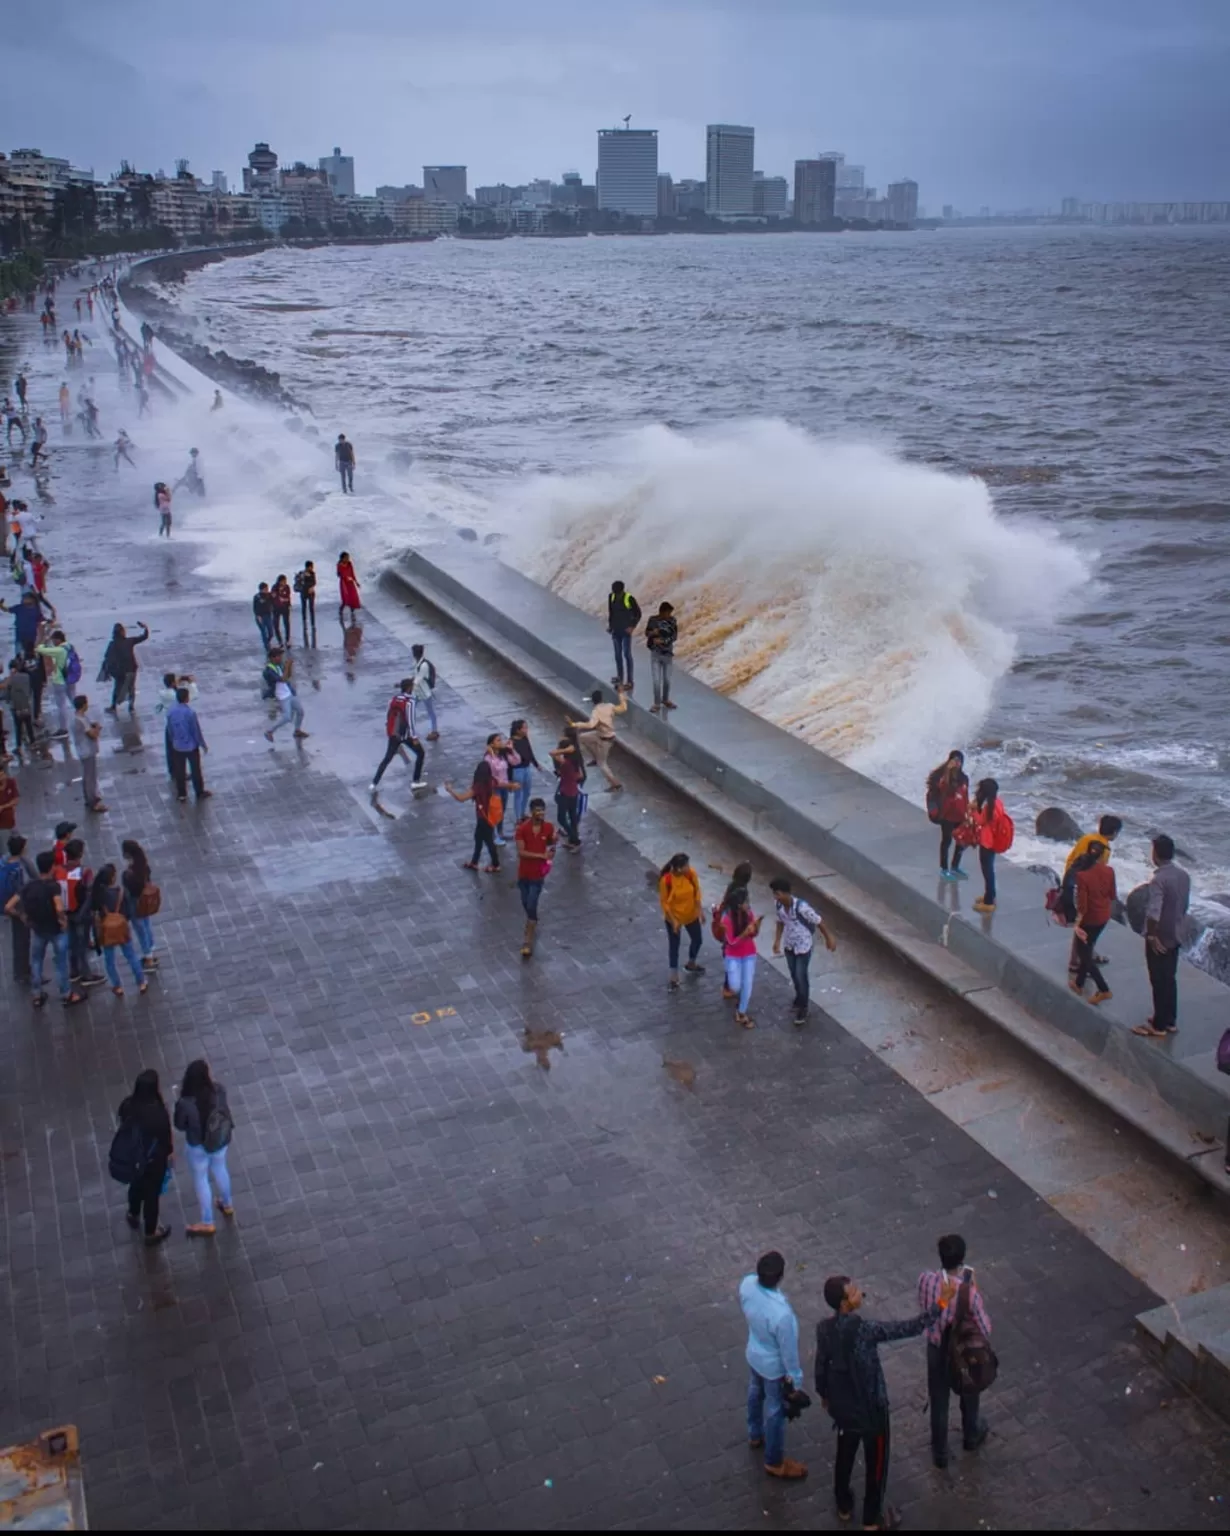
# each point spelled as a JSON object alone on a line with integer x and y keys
{"x": 679, "y": 893}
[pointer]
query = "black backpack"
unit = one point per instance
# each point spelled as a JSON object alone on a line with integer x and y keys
{"x": 129, "y": 1155}
{"x": 217, "y": 1130}
{"x": 972, "y": 1364}
{"x": 846, "y": 1401}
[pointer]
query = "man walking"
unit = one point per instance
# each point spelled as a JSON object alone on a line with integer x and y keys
{"x": 773, "y": 1362}
{"x": 400, "y": 728}
{"x": 797, "y": 926}
{"x": 1170, "y": 893}
{"x": 305, "y": 586}
{"x": 343, "y": 459}
{"x": 185, "y": 743}
{"x": 86, "y": 732}
{"x": 535, "y": 838}
{"x": 425, "y": 688}
{"x": 931, "y": 1285}
{"x": 623, "y": 614}
{"x": 597, "y": 734}
{"x": 850, "y": 1383}
{"x": 40, "y": 905}
{"x": 661, "y": 632}
{"x": 16, "y": 870}
{"x": 277, "y": 681}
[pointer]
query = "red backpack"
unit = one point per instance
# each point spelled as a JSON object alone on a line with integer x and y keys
{"x": 1002, "y": 830}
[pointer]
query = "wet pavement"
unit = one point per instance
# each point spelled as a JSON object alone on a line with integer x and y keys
{"x": 462, "y": 1290}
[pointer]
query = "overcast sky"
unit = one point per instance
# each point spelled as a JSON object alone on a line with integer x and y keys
{"x": 1005, "y": 102}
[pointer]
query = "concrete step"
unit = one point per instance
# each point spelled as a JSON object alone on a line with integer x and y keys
{"x": 1191, "y": 1338}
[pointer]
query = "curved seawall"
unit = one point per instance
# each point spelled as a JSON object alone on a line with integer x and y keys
{"x": 846, "y": 829}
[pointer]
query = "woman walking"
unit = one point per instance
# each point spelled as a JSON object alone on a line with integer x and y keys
{"x": 570, "y": 775}
{"x": 740, "y": 925}
{"x": 203, "y": 1115}
{"x": 487, "y": 805}
{"x": 679, "y": 895}
{"x": 142, "y": 899}
{"x": 948, "y": 806}
{"x": 113, "y": 932}
{"x": 120, "y": 666}
{"x": 522, "y": 762}
{"x": 145, "y": 1111}
{"x": 995, "y": 831}
{"x": 162, "y": 500}
{"x": 1095, "y": 893}
{"x": 348, "y": 590}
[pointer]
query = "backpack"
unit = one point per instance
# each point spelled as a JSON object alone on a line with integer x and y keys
{"x": 972, "y": 1364}
{"x": 298, "y": 583}
{"x": 149, "y": 902}
{"x": 79, "y": 890}
{"x": 846, "y": 1404}
{"x": 129, "y": 1156}
{"x": 397, "y": 722}
{"x": 217, "y": 1130}
{"x": 72, "y": 668}
{"x": 269, "y": 681}
{"x": 1002, "y": 832}
{"x": 1060, "y": 900}
{"x": 12, "y": 879}
{"x": 431, "y": 674}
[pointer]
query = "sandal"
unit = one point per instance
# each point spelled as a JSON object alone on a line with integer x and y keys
{"x": 200, "y": 1229}
{"x": 72, "y": 999}
{"x": 1149, "y": 1033}
{"x": 227, "y": 1210}
{"x": 468, "y": 865}
{"x": 491, "y": 869}
{"x": 745, "y": 1021}
{"x": 143, "y": 989}
{"x": 119, "y": 991}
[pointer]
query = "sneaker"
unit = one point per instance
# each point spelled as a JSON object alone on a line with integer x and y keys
{"x": 981, "y": 1435}
{"x": 373, "y": 789}
{"x": 655, "y": 709}
{"x": 419, "y": 784}
{"x": 959, "y": 874}
{"x": 91, "y": 979}
{"x": 155, "y": 1238}
{"x": 302, "y": 735}
{"x": 696, "y": 970}
{"x": 268, "y": 735}
{"x": 947, "y": 874}
{"x": 501, "y": 842}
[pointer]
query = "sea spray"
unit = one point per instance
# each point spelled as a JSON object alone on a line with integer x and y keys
{"x": 865, "y": 602}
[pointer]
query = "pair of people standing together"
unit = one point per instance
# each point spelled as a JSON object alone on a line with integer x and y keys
{"x": 984, "y": 823}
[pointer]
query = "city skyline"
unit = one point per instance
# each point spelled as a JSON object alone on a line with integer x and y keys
{"x": 1018, "y": 107}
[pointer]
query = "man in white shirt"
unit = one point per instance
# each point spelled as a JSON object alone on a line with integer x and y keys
{"x": 425, "y": 688}
{"x": 797, "y": 925}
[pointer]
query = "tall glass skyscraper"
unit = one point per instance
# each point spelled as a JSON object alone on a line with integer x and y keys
{"x": 628, "y": 170}
{"x": 730, "y": 155}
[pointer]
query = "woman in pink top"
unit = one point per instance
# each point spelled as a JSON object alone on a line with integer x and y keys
{"x": 740, "y": 925}
{"x": 496, "y": 758}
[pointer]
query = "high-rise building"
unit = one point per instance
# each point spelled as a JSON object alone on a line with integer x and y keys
{"x": 403, "y": 194}
{"x": 689, "y": 197}
{"x": 444, "y": 183}
{"x": 666, "y": 195}
{"x": 815, "y": 190}
{"x": 339, "y": 168}
{"x": 902, "y": 202}
{"x": 219, "y": 182}
{"x": 769, "y": 195}
{"x": 850, "y": 178}
{"x": 261, "y": 172}
{"x": 729, "y": 157}
{"x": 628, "y": 170}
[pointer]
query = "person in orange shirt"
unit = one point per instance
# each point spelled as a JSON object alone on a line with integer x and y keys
{"x": 680, "y": 899}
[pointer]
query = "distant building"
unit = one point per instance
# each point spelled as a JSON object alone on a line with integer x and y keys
{"x": 538, "y": 192}
{"x": 689, "y": 197}
{"x": 306, "y": 191}
{"x": 903, "y": 202}
{"x": 850, "y": 178}
{"x": 445, "y": 183}
{"x": 1071, "y": 208}
{"x": 29, "y": 181}
{"x": 339, "y": 169}
{"x": 261, "y": 172}
{"x": 219, "y": 183}
{"x": 666, "y": 195}
{"x": 398, "y": 194}
{"x": 815, "y": 191}
{"x": 769, "y": 195}
{"x": 949, "y": 211}
{"x": 499, "y": 196}
{"x": 628, "y": 170}
{"x": 729, "y": 157}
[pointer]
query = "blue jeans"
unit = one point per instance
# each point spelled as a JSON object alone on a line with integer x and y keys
{"x": 289, "y": 709}
{"x": 429, "y": 704}
{"x": 766, "y": 1416}
{"x": 203, "y": 1164}
{"x": 674, "y": 936}
{"x": 740, "y": 973}
{"x": 523, "y": 778}
{"x": 798, "y": 966}
{"x": 112, "y": 964}
{"x": 530, "y": 890}
{"x": 144, "y": 931}
{"x": 622, "y": 641}
{"x": 59, "y": 956}
{"x": 265, "y": 626}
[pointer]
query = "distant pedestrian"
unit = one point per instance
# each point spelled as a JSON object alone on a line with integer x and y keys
{"x": 739, "y": 927}
{"x": 623, "y": 614}
{"x": 305, "y": 586}
{"x": 194, "y": 476}
{"x": 535, "y": 843}
{"x": 185, "y": 743}
{"x": 661, "y": 633}
{"x": 123, "y": 450}
{"x": 281, "y": 609}
{"x": 66, "y": 407}
{"x": 162, "y": 501}
{"x": 120, "y": 666}
{"x": 425, "y": 688}
{"x": 597, "y": 734}
{"x": 932, "y": 1284}
{"x": 38, "y": 448}
{"x": 17, "y": 870}
{"x": 348, "y": 590}
{"x": 262, "y": 612}
{"x": 40, "y": 905}
{"x": 569, "y": 767}
{"x": 850, "y": 1383}
{"x": 142, "y": 899}
{"x": 65, "y": 672}
{"x": 1094, "y": 895}
{"x": 773, "y": 1363}
{"x": 948, "y": 806}
{"x": 343, "y": 459}
{"x": 113, "y": 931}
{"x": 10, "y": 790}
{"x": 797, "y": 927}
{"x": 995, "y": 833}
{"x": 487, "y": 804}
{"x": 145, "y": 1114}
{"x": 77, "y": 885}
{"x": 680, "y": 900}
{"x": 1170, "y": 893}
{"x": 204, "y": 1116}
{"x": 277, "y": 675}
{"x": 401, "y": 732}
{"x": 86, "y": 731}
{"x": 522, "y": 763}
{"x": 19, "y": 690}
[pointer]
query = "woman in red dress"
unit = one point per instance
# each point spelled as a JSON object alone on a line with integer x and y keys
{"x": 348, "y": 589}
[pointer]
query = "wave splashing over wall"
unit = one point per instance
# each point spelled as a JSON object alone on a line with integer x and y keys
{"x": 867, "y": 603}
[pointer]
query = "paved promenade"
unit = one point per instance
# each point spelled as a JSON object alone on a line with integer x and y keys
{"x": 462, "y": 1291}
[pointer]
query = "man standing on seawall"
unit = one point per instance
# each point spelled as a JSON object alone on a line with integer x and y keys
{"x": 185, "y": 743}
{"x": 1170, "y": 892}
{"x": 623, "y": 614}
{"x": 343, "y": 459}
{"x": 773, "y": 1361}
{"x": 931, "y": 1285}
{"x": 661, "y": 632}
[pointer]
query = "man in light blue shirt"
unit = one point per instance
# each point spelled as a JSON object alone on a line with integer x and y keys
{"x": 773, "y": 1358}
{"x": 185, "y": 743}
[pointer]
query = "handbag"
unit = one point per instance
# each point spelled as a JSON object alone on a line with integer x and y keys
{"x": 966, "y": 835}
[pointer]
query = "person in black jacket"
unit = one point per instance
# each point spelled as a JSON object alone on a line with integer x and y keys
{"x": 145, "y": 1106}
{"x": 623, "y": 614}
{"x": 121, "y": 667}
{"x": 850, "y": 1384}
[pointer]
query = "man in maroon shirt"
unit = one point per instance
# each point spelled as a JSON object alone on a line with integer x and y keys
{"x": 535, "y": 850}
